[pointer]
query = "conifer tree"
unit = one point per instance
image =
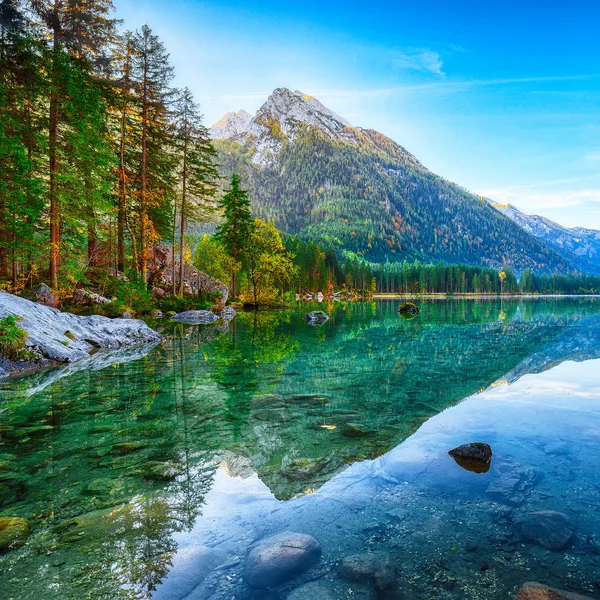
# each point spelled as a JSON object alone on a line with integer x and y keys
{"x": 236, "y": 229}
{"x": 21, "y": 202}
{"x": 151, "y": 74}
{"x": 79, "y": 33}
{"x": 197, "y": 170}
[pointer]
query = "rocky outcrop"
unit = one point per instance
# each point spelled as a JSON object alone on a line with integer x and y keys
{"x": 195, "y": 283}
{"x": 44, "y": 295}
{"x": 63, "y": 337}
{"x": 280, "y": 558}
{"x": 282, "y": 117}
{"x": 87, "y": 298}
{"x": 537, "y": 591}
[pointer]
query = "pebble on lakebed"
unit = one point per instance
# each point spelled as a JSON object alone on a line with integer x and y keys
{"x": 279, "y": 558}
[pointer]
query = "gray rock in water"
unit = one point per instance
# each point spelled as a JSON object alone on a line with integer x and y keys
{"x": 474, "y": 451}
{"x": 371, "y": 567}
{"x": 316, "y": 317}
{"x": 195, "y": 317}
{"x": 537, "y": 591}
{"x": 280, "y": 558}
{"x": 64, "y": 337}
{"x": 550, "y": 529}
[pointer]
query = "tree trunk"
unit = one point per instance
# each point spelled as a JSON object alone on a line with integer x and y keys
{"x": 174, "y": 235}
{"x": 122, "y": 198}
{"x": 122, "y": 172}
{"x": 143, "y": 200}
{"x": 182, "y": 217}
{"x": 54, "y": 199}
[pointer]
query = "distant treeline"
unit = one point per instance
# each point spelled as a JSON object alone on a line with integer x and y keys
{"x": 320, "y": 269}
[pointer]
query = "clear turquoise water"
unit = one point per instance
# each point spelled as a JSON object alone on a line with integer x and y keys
{"x": 153, "y": 477}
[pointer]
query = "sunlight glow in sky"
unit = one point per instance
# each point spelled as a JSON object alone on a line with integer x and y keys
{"x": 502, "y": 97}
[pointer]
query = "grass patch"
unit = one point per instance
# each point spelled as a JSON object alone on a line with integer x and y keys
{"x": 13, "y": 339}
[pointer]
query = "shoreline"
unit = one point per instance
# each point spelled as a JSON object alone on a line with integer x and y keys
{"x": 471, "y": 296}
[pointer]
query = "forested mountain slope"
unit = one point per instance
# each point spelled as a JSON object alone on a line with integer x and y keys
{"x": 579, "y": 245}
{"x": 314, "y": 174}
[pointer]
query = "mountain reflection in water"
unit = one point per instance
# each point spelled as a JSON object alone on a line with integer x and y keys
{"x": 153, "y": 477}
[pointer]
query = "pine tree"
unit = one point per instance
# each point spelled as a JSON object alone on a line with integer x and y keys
{"x": 21, "y": 87}
{"x": 79, "y": 32}
{"x": 197, "y": 170}
{"x": 236, "y": 229}
{"x": 151, "y": 74}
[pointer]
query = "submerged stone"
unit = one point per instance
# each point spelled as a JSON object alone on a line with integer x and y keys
{"x": 311, "y": 591}
{"x": 550, "y": 529}
{"x": 537, "y": 591}
{"x": 355, "y": 430}
{"x": 370, "y": 567}
{"x": 511, "y": 483}
{"x": 13, "y": 532}
{"x": 280, "y": 558}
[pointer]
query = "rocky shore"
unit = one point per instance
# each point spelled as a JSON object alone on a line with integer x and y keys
{"x": 55, "y": 337}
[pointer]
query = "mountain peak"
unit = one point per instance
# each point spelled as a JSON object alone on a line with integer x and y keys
{"x": 293, "y": 107}
{"x": 284, "y": 114}
{"x": 231, "y": 124}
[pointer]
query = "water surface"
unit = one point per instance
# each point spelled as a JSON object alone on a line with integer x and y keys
{"x": 153, "y": 478}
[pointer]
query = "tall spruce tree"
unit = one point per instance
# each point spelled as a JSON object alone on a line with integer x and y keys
{"x": 235, "y": 231}
{"x": 79, "y": 32}
{"x": 151, "y": 74}
{"x": 21, "y": 85}
{"x": 197, "y": 170}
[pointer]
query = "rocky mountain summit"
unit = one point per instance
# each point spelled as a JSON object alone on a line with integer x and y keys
{"x": 281, "y": 118}
{"x": 582, "y": 246}
{"x": 231, "y": 124}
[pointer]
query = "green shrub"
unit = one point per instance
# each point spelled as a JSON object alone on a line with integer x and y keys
{"x": 112, "y": 309}
{"x": 134, "y": 294}
{"x": 13, "y": 339}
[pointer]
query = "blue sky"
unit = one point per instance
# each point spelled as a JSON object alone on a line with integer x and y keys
{"x": 501, "y": 97}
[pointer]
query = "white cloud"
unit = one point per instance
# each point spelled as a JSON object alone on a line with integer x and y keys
{"x": 419, "y": 59}
{"x": 538, "y": 201}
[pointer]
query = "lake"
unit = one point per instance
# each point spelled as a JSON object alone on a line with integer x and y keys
{"x": 154, "y": 477}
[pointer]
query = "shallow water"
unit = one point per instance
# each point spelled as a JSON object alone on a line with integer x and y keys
{"x": 154, "y": 477}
